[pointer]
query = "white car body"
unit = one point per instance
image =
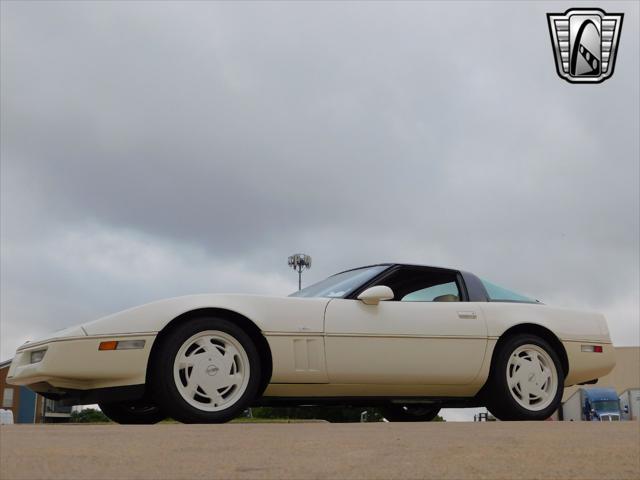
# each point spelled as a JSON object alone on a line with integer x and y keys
{"x": 325, "y": 347}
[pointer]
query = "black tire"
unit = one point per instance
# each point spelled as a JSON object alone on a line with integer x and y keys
{"x": 133, "y": 413}
{"x": 410, "y": 413}
{"x": 501, "y": 400}
{"x": 164, "y": 387}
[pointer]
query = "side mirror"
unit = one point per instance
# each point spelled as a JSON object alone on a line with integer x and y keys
{"x": 374, "y": 295}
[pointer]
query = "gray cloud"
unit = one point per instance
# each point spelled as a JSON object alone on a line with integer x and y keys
{"x": 155, "y": 149}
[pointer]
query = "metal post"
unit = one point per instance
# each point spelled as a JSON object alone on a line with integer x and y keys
{"x": 299, "y": 262}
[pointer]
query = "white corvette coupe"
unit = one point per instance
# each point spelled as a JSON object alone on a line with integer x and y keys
{"x": 408, "y": 339}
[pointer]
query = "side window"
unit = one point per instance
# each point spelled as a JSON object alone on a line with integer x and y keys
{"x": 445, "y": 292}
{"x": 500, "y": 294}
{"x": 422, "y": 284}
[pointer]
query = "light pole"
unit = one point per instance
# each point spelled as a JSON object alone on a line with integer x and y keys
{"x": 299, "y": 262}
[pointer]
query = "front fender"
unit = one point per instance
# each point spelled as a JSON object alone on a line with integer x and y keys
{"x": 270, "y": 314}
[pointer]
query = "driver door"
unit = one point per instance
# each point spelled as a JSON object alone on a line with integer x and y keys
{"x": 425, "y": 336}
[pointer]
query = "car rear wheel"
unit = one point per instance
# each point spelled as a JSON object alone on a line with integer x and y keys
{"x": 527, "y": 380}
{"x": 410, "y": 413}
{"x": 206, "y": 371}
{"x": 133, "y": 413}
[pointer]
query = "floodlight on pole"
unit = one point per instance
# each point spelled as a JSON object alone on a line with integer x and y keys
{"x": 299, "y": 262}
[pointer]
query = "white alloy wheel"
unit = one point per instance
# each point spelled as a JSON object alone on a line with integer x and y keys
{"x": 532, "y": 377}
{"x": 211, "y": 370}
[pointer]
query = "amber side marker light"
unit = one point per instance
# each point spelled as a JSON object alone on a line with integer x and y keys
{"x": 591, "y": 348}
{"x": 121, "y": 345}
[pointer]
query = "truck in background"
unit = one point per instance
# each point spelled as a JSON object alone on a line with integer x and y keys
{"x": 592, "y": 404}
{"x": 630, "y": 404}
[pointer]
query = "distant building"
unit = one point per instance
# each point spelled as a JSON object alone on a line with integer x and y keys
{"x": 26, "y": 405}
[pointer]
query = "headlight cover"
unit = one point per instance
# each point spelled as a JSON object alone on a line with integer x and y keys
{"x": 37, "y": 355}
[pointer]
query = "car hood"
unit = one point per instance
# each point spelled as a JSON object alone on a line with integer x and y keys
{"x": 75, "y": 331}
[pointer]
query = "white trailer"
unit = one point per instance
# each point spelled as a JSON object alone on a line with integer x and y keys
{"x": 572, "y": 408}
{"x": 630, "y": 404}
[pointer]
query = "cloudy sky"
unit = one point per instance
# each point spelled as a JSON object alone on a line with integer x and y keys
{"x": 159, "y": 149}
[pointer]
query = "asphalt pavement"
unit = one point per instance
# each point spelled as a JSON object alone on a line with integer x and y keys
{"x": 505, "y": 450}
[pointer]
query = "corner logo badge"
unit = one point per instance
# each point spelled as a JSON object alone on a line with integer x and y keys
{"x": 585, "y": 43}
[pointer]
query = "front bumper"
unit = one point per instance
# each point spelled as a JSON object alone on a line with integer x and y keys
{"x": 77, "y": 364}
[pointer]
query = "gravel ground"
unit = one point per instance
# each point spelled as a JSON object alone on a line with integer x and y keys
{"x": 550, "y": 450}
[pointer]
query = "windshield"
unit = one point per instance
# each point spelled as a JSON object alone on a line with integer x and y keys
{"x": 500, "y": 294}
{"x": 341, "y": 284}
{"x": 606, "y": 406}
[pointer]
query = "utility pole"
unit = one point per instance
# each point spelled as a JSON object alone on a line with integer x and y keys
{"x": 299, "y": 262}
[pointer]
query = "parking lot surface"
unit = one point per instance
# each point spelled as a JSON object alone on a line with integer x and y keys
{"x": 557, "y": 450}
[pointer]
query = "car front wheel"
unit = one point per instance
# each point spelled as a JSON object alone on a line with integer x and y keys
{"x": 206, "y": 371}
{"x": 527, "y": 380}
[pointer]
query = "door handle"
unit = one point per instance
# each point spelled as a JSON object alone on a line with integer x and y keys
{"x": 468, "y": 314}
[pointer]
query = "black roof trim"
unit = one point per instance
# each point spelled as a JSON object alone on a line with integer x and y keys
{"x": 395, "y": 264}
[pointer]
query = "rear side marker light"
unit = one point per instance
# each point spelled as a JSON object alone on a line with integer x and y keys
{"x": 121, "y": 345}
{"x": 591, "y": 348}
